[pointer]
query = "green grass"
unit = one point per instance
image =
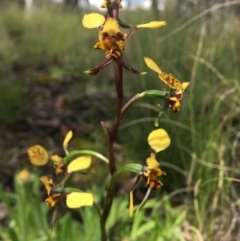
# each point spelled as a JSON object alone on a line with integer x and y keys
{"x": 203, "y": 157}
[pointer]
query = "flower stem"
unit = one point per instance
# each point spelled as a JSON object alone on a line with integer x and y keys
{"x": 109, "y": 198}
{"x": 102, "y": 223}
{"x": 127, "y": 105}
{"x": 118, "y": 79}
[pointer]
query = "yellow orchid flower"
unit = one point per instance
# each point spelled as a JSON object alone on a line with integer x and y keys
{"x": 73, "y": 199}
{"x": 53, "y": 198}
{"x": 151, "y": 173}
{"x": 111, "y": 38}
{"x": 177, "y": 87}
{"x": 59, "y": 165}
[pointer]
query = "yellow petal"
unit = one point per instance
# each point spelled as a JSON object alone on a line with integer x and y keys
{"x": 87, "y": 72}
{"x": 93, "y": 20}
{"x": 52, "y": 200}
{"x": 56, "y": 158}
{"x": 131, "y": 204}
{"x": 152, "y": 65}
{"x": 171, "y": 80}
{"x": 111, "y": 27}
{"x": 102, "y": 45}
{"x": 151, "y": 162}
{"x": 48, "y": 183}
{"x": 79, "y": 163}
{"x": 185, "y": 85}
{"x": 153, "y": 24}
{"x": 79, "y": 199}
{"x": 158, "y": 140}
{"x": 179, "y": 93}
{"x": 37, "y": 155}
{"x": 68, "y": 137}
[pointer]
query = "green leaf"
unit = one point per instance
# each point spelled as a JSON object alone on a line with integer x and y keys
{"x": 132, "y": 167}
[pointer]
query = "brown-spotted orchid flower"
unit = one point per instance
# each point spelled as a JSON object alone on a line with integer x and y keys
{"x": 158, "y": 140}
{"x": 176, "y": 86}
{"x": 112, "y": 39}
{"x": 73, "y": 199}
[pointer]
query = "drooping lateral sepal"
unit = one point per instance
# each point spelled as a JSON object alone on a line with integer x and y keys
{"x": 127, "y": 66}
{"x": 96, "y": 70}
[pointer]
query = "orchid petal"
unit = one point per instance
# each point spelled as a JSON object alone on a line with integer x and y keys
{"x": 185, "y": 85}
{"x": 48, "y": 183}
{"x": 153, "y": 24}
{"x": 171, "y": 80}
{"x": 79, "y": 163}
{"x": 38, "y": 155}
{"x": 152, "y": 65}
{"x": 159, "y": 140}
{"x": 56, "y": 158}
{"x": 79, "y": 199}
{"x": 111, "y": 27}
{"x": 93, "y": 20}
{"x": 131, "y": 204}
{"x": 151, "y": 162}
{"x": 67, "y": 138}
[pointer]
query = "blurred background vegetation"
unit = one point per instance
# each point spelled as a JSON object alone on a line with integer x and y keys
{"x": 44, "y": 93}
